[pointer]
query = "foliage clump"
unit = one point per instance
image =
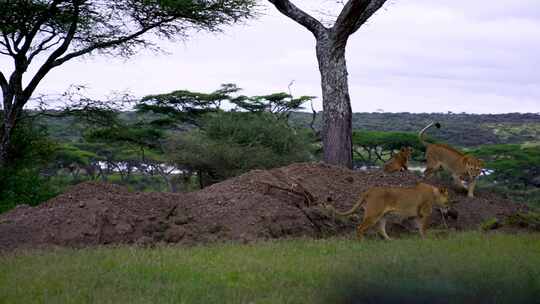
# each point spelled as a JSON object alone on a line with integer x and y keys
{"x": 231, "y": 143}
{"x": 372, "y": 147}
{"x": 23, "y": 180}
{"x": 490, "y": 224}
{"x": 529, "y": 220}
{"x": 514, "y": 165}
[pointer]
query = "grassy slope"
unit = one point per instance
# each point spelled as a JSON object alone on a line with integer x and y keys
{"x": 469, "y": 267}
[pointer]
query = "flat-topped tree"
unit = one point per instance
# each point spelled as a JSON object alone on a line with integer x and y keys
{"x": 183, "y": 106}
{"x": 48, "y": 33}
{"x": 279, "y": 104}
{"x": 330, "y": 49}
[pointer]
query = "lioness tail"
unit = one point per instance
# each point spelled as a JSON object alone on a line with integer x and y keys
{"x": 359, "y": 203}
{"x": 421, "y": 133}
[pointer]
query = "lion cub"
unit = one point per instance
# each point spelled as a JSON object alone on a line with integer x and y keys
{"x": 399, "y": 162}
{"x": 415, "y": 202}
{"x": 462, "y": 167}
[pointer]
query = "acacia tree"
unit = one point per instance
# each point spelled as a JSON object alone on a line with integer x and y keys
{"x": 48, "y": 33}
{"x": 330, "y": 50}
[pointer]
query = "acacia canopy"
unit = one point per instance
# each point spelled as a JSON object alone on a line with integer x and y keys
{"x": 56, "y": 31}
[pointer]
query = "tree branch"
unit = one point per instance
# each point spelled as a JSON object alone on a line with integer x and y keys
{"x": 43, "y": 45}
{"x": 353, "y": 15}
{"x": 16, "y": 42}
{"x": 359, "y": 154}
{"x": 43, "y": 18}
{"x": 298, "y": 15}
{"x": 50, "y": 62}
{"x": 110, "y": 43}
{"x": 8, "y": 45}
{"x": 3, "y": 82}
{"x": 295, "y": 188}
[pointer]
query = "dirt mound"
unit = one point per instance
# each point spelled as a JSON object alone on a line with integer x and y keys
{"x": 260, "y": 204}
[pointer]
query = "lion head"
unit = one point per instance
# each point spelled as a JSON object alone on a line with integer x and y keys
{"x": 473, "y": 166}
{"x": 442, "y": 197}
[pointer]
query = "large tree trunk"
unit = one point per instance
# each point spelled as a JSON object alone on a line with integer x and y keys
{"x": 331, "y": 42}
{"x": 13, "y": 100}
{"x": 7, "y": 126}
{"x": 337, "y": 113}
{"x": 5, "y": 142}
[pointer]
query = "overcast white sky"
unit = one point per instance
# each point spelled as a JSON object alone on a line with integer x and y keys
{"x": 478, "y": 56}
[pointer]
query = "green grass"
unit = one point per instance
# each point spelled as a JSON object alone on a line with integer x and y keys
{"x": 462, "y": 268}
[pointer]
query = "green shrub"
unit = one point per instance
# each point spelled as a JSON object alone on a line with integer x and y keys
{"x": 529, "y": 219}
{"x": 371, "y": 147}
{"x": 22, "y": 181}
{"x": 514, "y": 165}
{"x": 231, "y": 143}
{"x": 490, "y": 224}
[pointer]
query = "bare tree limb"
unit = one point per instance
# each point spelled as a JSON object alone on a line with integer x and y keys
{"x": 350, "y": 13}
{"x": 292, "y": 11}
{"x": 43, "y": 45}
{"x": 7, "y": 45}
{"x": 313, "y": 117}
{"x": 3, "y": 82}
{"x": 49, "y": 63}
{"x": 16, "y": 42}
{"x": 353, "y": 15}
{"x": 371, "y": 9}
{"x": 309, "y": 199}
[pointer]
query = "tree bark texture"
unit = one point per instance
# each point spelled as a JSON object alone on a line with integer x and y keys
{"x": 7, "y": 125}
{"x": 337, "y": 112}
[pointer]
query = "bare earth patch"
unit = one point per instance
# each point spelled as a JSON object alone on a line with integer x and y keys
{"x": 260, "y": 204}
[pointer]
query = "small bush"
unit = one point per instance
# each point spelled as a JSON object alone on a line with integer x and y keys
{"x": 490, "y": 224}
{"x": 528, "y": 220}
{"x": 22, "y": 181}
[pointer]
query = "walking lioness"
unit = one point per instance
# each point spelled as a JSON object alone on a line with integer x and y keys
{"x": 462, "y": 167}
{"x": 415, "y": 202}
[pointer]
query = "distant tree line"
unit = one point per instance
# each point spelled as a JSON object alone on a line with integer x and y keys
{"x": 462, "y": 130}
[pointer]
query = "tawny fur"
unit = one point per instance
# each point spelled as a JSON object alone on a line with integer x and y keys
{"x": 415, "y": 202}
{"x": 462, "y": 167}
{"x": 399, "y": 162}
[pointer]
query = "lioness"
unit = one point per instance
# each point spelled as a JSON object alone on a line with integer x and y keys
{"x": 399, "y": 161}
{"x": 462, "y": 167}
{"x": 415, "y": 202}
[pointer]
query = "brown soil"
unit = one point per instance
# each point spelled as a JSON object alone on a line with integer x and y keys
{"x": 261, "y": 204}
